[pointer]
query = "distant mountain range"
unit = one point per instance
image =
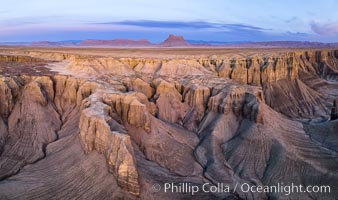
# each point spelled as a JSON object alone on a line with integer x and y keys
{"x": 61, "y": 43}
{"x": 116, "y": 42}
{"x": 178, "y": 41}
{"x": 171, "y": 41}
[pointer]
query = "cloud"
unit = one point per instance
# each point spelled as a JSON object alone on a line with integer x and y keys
{"x": 292, "y": 19}
{"x": 186, "y": 25}
{"x": 324, "y": 29}
{"x": 24, "y": 29}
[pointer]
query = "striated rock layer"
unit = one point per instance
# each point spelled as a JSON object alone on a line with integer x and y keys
{"x": 105, "y": 127}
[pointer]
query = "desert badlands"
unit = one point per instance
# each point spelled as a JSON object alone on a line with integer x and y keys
{"x": 157, "y": 123}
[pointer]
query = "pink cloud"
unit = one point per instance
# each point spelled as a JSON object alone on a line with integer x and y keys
{"x": 325, "y": 29}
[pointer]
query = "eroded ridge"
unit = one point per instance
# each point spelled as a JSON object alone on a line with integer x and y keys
{"x": 107, "y": 127}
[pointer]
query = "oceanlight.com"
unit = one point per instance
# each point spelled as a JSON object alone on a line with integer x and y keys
{"x": 239, "y": 187}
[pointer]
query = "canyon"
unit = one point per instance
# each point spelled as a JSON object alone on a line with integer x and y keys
{"x": 85, "y": 123}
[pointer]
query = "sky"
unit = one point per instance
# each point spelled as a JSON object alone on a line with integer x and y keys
{"x": 200, "y": 20}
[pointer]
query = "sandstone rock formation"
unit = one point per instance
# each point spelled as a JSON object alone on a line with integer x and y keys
{"x": 96, "y": 134}
{"x": 174, "y": 41}
{"x": 106, "y": 127}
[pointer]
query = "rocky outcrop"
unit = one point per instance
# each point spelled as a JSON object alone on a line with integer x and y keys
{"x": 239, "y": 102}
{"x": 174, "y": 68}
{"x": 32, "y": 124}
{"x": 96, "y": 134}
{"x": 302, "y": 100}
{"x": 141, "y": 86}
{"x": 9, "y": 92}
{"x": 147, "y": 66}
{"x": 95, "y": 67}
{"x": 197, "y": 97}
{"x": 20, "y": 59}
{"x": 133, "y": 109}
{"x": 324, "y": 63}
{"x": 260, "y": 70}
{"x": 169, "y": 103}
{"x": 37, "y": 111}
{"x": 174, "y": 41}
